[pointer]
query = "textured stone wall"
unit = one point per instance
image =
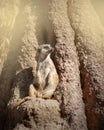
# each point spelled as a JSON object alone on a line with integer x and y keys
{"x": 89, "y": 39}
{"x": 69, "y": 92}
{"x": 74, "y": 30}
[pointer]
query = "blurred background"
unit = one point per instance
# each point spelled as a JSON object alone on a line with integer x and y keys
{"x": 99, "y": 7}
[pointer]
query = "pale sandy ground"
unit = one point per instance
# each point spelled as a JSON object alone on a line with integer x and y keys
{"x": 99, "y": 7}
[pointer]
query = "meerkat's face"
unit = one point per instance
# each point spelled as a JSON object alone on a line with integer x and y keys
{"x": 45, "y": 49}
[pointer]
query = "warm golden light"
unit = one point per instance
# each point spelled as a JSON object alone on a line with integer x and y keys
{"x": 99, "y": 7}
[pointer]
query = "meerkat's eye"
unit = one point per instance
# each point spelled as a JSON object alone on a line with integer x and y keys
{"x": 46, "y": 47}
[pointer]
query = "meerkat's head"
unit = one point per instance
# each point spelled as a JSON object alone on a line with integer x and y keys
{"x": 43, "y": 51}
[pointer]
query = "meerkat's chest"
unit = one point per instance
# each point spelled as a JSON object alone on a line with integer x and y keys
{"x": 43, "y": 69}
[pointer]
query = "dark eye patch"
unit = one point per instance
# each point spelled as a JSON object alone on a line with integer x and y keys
{"x": 46, "y": 47}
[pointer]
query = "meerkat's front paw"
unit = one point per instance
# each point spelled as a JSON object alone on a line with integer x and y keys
{"x": 39, "y": 95}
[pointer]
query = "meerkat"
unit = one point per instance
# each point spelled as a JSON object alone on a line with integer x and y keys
{"x": 46, "y": 74}
{"x": 46, "y": 79}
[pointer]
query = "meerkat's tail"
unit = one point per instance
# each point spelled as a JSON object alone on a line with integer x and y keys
{"x": 18, "y": 103}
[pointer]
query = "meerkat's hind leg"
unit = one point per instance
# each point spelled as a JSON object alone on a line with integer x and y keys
{"x": 32, "y": 94}
{"x": 20, "y": 101}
